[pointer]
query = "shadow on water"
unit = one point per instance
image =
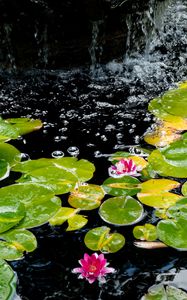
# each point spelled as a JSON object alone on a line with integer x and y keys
{"x": 98, "y": 109}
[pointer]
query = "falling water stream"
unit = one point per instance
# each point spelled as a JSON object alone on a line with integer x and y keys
{"x": 92, "y": 111}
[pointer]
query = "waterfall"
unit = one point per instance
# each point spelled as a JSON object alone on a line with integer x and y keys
{"x": 95, "y": 49}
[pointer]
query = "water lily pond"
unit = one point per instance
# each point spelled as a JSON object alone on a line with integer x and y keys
{"x": 126, "y": 227}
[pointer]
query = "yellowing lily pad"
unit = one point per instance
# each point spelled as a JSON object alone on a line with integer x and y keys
{"x": 155, "y": 193}
{"x": 86, "y": 197}
{"x": 161, "y": 136}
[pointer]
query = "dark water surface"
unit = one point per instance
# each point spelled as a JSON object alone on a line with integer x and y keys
{"x": 98, "y": 110}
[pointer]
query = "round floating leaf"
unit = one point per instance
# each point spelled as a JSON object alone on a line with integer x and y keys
{"x": 121, "y": 211}
{"x": 86, "y": 197}
{"x": 82, "y": 169}
{"x": 12, "y": 211}
{"x": 22, "y": 239}
{"x": 9, "y": 153}
{"x": 161, "y": 136}
{"x": 146, "y": 232}
{"x": 178, "y": 210}
{"x": 154, "y": 193}
{"x": 184, "y": 189}
{"x": 39, "y": 202}
{"x": 39, "y": 211}
{"x": 58, "y": 180}
{"x": 174, "y": 102}
{"x": 24, "y": 125}
{"x": 62, "y": 215}
{"x": 100, "y": 239}
{"x": 4, "y": 169}
{"x": 8, "y": 281}
{"x": 173, "y": 233}
{"x": 7, "y": 132}
{"x": 76, "y": 222}
{"x": 170, "y": 120}
{"x": 118, "y": 156}
{"x": 126, "y": 185}
{"x": 162, "y": 292}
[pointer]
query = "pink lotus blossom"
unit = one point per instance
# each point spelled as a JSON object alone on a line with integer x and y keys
{"x": 124, "y": 167}
{"x": 93, "y": 268}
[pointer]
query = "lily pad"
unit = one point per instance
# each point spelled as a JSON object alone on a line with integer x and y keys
{"x": 100, "y": 239}
{"x": 126, "y": 185}
{"x": 4, "y": 169}
{"x": 8, "y": 281}
{"x": 24, "y": 125}
{"x": 86, "y": 197}
{"x": 70, "y": 215}
{"x": 7, "y": 132}
{"x": 146, "y": 232}
{"x": 82, "y": 169}
{"x": 161, "y": 136}
{"x": 121, "y": 211}
{"x": 178, "y": 210}
{"x": 9, "y": 153}
{"x": 154, "y": 193}
{"x": 172, "y": 160}
{"x": 12, "y": 211}
{"x": 184, "y": 189}
{"x": 36, "y": 203}
{"x": 162, "y": 292}
{"x": 16, "y": 241}
{"x": 173, "y": 233}
{"x": 76, "y": 222}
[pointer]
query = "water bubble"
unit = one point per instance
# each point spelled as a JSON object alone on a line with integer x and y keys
{"x": 73, "y": 150}
{"x": 57, "y": 154}
{"x": 24, "y": 157}
{"x": 97, "y": 153}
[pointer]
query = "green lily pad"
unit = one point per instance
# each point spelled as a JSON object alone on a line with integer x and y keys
{"x": 146, "y": 232}
{"x": 174, "y": 102}
{"x": 172, "y": 160}
{"x": 178, "y": 210}
{"x": 173, "y": 233}
{"x": 100, "y": 239}
{"x": 8, "y": 281}
{"x": 16, "y": 241}
{"x": 82, "y": 169}
{"x": 86, "y": 197}
{"x": 154, "y": 192}
{"x": 126, "y": 185}
{"x": 162, "y": 292}
{"x": 7, "y": 132}
{"x": 12, "y": 211}
{"x": 58, "y": 180}
{"x": 121, "y": 211}
{"x": 24, "y": 125}
{"x": 39, "y": 203}
{"x": 62, "y": 215}
{"x": 76, "y": 222}
{"x": 9, "y": 153}
{"x": 70, "y": 215}
{"x": 4, "y": 169}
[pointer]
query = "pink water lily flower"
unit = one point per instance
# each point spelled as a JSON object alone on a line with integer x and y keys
{"x": 124, "y": 167}
{"x": 93, "y": 268}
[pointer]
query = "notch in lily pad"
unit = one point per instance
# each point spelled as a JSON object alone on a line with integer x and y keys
{"x": 100, "y": 239}
{"x": 121, "y": 211}
{"x": 161, "y": 291}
